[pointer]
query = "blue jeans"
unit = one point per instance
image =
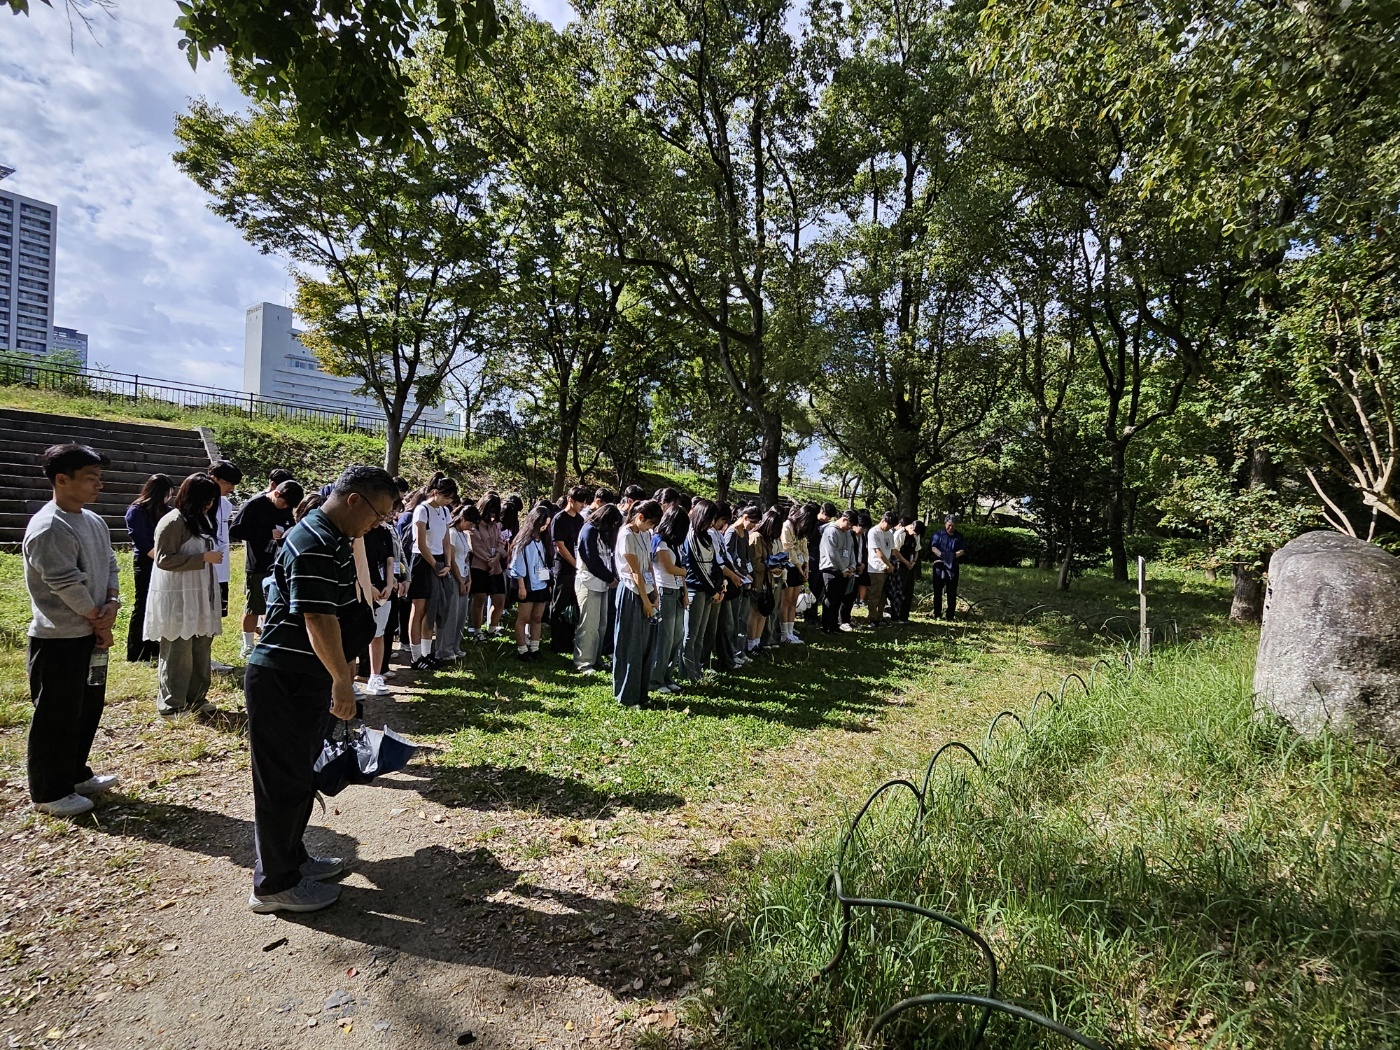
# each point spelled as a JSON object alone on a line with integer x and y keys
{"x": 670, "y": 638}
{"x": 632, "y": 642}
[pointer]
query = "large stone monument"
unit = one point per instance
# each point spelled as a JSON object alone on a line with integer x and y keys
{"x": 1329, "y": 653}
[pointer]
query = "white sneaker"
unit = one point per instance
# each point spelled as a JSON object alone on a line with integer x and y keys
{"x": 359, "y": 693}
{"x": 847, "y": 628}
{"x": 792, "y": 639}
{"x": 220, "y": 666}
{"x": 246, "y": 651}
{"x": 92, "y": 785}
{"x": 375, "y": 686}
{"x": 67, "y": 806}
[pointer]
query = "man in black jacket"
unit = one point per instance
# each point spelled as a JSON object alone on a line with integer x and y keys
{"x": 260, "y": 523}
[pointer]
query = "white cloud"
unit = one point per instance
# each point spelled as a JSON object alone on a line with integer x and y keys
{"x": 159, "y": 283}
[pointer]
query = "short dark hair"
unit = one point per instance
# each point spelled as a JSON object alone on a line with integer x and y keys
{"x": 634, "y": 493}
{"x": 829, "y": 509}
{"x": 603, "y": 494}
{"x": 467, "y": 512}
{"x": 290, "y": 490}
{"x": 277, "y": 476}
{"x": 753, "y": 512}
{"x": 850, "y": 515}
{"x": 364, "y": 480}
{"x": 890, "y": 518}
{"x": 667, "y": 496}
{"x": 581, "y": 494}
{"x": 69, "y": 459}
{"x": 401, "y": 484}
{"x": 226, "y": 471}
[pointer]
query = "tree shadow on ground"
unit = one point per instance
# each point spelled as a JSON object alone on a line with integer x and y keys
{"x": 453, "y": 906}
{"x": 520, "y": 788}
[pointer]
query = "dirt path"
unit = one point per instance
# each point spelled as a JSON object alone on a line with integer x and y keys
{"x": 455, "y": 927}
{"x": 481, "y": 924}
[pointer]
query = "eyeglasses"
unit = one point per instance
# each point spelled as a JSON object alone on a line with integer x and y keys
{"x": 380, "y": 516}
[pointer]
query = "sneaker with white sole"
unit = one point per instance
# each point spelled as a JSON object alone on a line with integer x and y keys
{"x": 318, "y": 868}
{"x": 306, "y": 895}
{"x": 375, "y": 686}
{"x": 245, "y": 652}
{"x": 67, "y": 806}
{"x": 847, "y": 628}
{"x": 92, "y": 785}
{"x": 220, "y": 666}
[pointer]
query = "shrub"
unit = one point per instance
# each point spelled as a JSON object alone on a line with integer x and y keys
{"x": 999, "y": 548}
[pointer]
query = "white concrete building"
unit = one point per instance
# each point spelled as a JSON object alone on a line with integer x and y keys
{"x": 278, "y": 367}
{"x": 72, "y": 342}
{"x": 28, "y": 245}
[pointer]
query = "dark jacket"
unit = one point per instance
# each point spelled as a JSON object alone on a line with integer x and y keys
{"x": 696, "y": 553}
{"x": 589, "y": 545}
{"x": 253, "y": 524}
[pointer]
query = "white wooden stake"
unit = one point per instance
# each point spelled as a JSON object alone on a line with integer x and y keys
{"x": 1144, "y": 636}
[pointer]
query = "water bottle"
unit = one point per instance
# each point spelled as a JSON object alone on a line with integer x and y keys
{"x": 655, "y": 618}
{"x": 97, "y": 667}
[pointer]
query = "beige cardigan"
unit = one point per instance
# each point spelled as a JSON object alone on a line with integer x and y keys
{"x": 172, "y": 533}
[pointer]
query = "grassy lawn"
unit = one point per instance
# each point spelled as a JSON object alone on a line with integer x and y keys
{"x": 1151, "y": 863}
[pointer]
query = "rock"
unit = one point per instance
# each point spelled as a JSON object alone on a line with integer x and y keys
{"x": 1329, "y": 652}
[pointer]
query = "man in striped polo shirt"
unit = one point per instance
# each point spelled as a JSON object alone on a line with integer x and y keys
{"x": 298, "y": 674}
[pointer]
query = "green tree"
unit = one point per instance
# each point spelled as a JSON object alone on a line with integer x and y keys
{"x": 344, "y": 64}
{"x": 703, "y": 187}
{"x": 394, "y": 255}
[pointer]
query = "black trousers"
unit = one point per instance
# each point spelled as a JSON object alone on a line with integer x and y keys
{"x": 66, "y": 713}
{"x": 562, "y": 599}
{"x": 834, "y": 587}
{"x": 951, "y": 586}
{"x": 138, "y": 649}
{"x": 288, "y": 714}
{"x": 814, "y": 581}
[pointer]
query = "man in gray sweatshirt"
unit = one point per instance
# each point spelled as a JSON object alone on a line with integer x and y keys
{"x": 70, "y": 571}
{"x": 837, "y": 563}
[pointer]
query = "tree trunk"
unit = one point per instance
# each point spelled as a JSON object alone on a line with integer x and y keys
{"x": 724, "y": 478}
{"x": 1247, "y": 606}
{"x": 1117, "y": 540}
{"x": 907, "y": 498}
{"x": 1063, "y": 582}
{"x": 769, "y": 464}
{"x": 393, "y": 447}
{"x": 562, "y": 449}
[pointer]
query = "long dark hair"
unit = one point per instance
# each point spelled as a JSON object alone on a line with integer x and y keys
{"x": 703, "y": 515}
{"x": 673, "y": 527}
{"x": 771, "y": 527}
{"x": 154, "y": 498}
{"x": 490, "y": 507}
{"x": 530, "y": 528}
{"x": 607, "y": 519}
{"x": 650, "y": 510}
{"x": 196, "y": 495}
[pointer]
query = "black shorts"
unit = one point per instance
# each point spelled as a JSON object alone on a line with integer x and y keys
{"x": 256, "y": 603}
{"x": 223, "y": 595}
{"x": 795, "y": 577}
{"x": 420, "y": 579}
{"x": 486, "y": 582}
{"x": 540, "y": 596}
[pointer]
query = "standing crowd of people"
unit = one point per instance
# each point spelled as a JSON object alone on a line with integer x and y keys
{"x": 658, "y": 590}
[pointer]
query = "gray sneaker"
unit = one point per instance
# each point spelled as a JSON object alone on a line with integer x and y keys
{"x": 306, "y": 895}
{"x": 318, "y": 868}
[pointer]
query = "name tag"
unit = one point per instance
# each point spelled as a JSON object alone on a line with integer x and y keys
{"x": 542, "y": 574}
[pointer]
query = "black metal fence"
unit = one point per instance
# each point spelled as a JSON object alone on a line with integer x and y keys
{"x": 124, "y": 386}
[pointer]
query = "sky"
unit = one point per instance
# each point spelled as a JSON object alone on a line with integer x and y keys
{"x": 158, "y": 282}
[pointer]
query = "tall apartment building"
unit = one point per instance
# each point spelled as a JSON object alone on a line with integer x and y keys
{"x": 277, "y": 366}
{"x": 28, "y": 242}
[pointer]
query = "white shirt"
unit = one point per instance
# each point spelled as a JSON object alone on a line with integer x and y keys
{"x": 459, "y": 544}
{"x": 879, "y": 546}
{"x": 635, "y": 544}
{"x": 664, "y": 579}
{"x": 436, "y": 519}
{"x": 221, "y": 520}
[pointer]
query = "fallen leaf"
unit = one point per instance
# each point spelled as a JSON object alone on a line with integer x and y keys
{"x": 637, "y": 984}
{"x": 568, "y": 1026}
